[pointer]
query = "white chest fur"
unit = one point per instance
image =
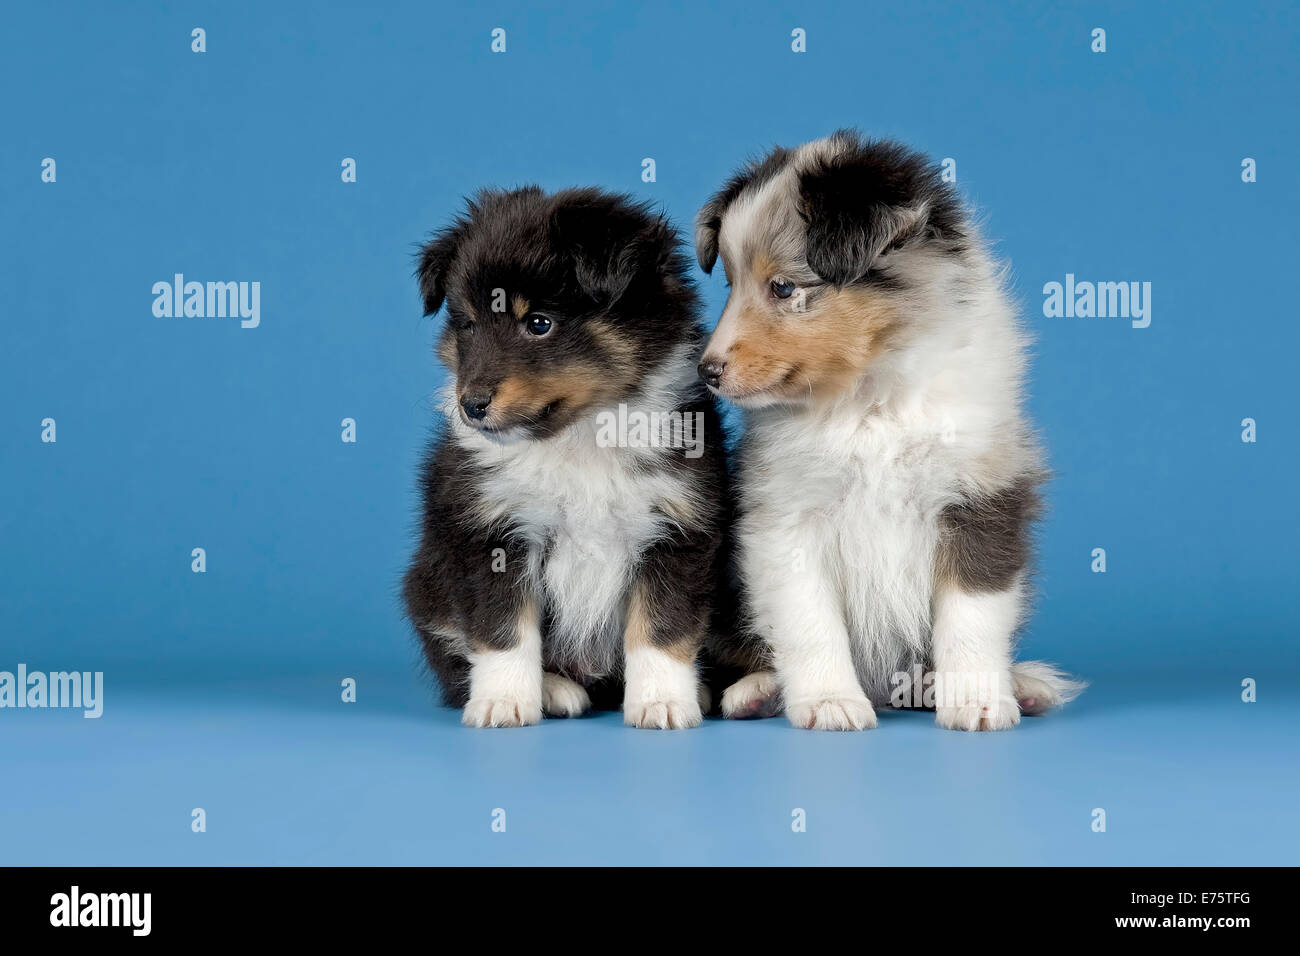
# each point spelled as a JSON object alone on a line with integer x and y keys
{"x": 587, "y": 513}
{"x": 854, "y": 500}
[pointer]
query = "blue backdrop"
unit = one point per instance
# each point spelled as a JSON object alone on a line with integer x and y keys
{"x": 176, "y": 433}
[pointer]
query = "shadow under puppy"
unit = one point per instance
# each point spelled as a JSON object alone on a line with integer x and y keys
{"x": 576, "y": 496}
{"x": 888, "y": 477}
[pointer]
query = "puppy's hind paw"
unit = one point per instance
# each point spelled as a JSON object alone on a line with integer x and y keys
{"x": 754, "y": 695}
{"x": 500, "y": 712}
{"x": 562, "y": 697}
{"x": 831, "y": 713}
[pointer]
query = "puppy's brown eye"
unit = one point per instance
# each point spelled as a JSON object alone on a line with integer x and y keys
{"x": 782, "y": 288}
{"x": 538, "y": 324}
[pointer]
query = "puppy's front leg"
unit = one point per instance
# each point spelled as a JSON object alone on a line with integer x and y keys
{"x": 802, "y": 619}
{"x": 660, "y": 642}
{"x": 978, "y": 604}
{"x": 972, "y": 639}
{"x": 505, "y": 677}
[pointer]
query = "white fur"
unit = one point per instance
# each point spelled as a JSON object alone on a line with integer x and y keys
{"x": 562, "y": 697}
{"x": 505, "y": 687}
{"x": 841, "y": 502}
{"x": 661, "y": 692}
{"x": 587, "y": 513}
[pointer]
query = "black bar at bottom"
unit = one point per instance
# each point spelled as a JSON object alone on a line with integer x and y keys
{"x": 994, "y": 905}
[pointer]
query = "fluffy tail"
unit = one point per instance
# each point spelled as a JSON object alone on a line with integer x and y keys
{"x": 1041, "y": 687}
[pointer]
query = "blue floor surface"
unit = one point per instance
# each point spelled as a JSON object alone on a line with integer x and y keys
{"x": 286, "y": 773}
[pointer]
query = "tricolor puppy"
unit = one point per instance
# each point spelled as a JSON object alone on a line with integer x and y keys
{"x": 575, "y": 496}
{"x": 888, "y": 478}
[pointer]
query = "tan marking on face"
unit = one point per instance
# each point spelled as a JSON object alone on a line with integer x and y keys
{"x": 640, "y": 630}
{"x": 520, "y": 306}
{"x": 807, "y": 357}
{"x": 520, "y": 399}
{"x": 620, "y": 349}
{"x": 765, "y": 268}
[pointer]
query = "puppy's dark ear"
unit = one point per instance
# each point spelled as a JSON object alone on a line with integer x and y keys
{"x": 709, "y": 221}
{"x": 860, "y": 201}
{"x": 611, "y": 241}
{"x": 435, "y": 258}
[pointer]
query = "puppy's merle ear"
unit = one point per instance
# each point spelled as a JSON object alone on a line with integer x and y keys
{"x": 707, "y": 224}
{"x": 611, "y": 241}
{"x": 858, "y": 202}
{"x": 435, "y": 258}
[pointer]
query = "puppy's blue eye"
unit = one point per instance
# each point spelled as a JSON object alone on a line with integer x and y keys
{"x": 538, "y": 324}
{"x": 782, "y": 288}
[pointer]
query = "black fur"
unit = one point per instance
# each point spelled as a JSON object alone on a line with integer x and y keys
{"x": 868, "y": 197}
{"x": 613, "y": 276}
{"x": 987, "y": 540}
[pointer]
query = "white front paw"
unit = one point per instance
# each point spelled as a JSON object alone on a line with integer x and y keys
{"x": 501, "y": 712}
{"x": 660, "y": 691}
{"x": 1001, "y": 715}
{"x": 663, "y": 714}
{"x": 562, "y": 697}
{"x": 831, "y": 713}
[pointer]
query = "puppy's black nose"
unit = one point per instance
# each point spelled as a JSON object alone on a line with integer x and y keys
{"x": 476, "y": 404}
{"x": 711, "y": 371}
